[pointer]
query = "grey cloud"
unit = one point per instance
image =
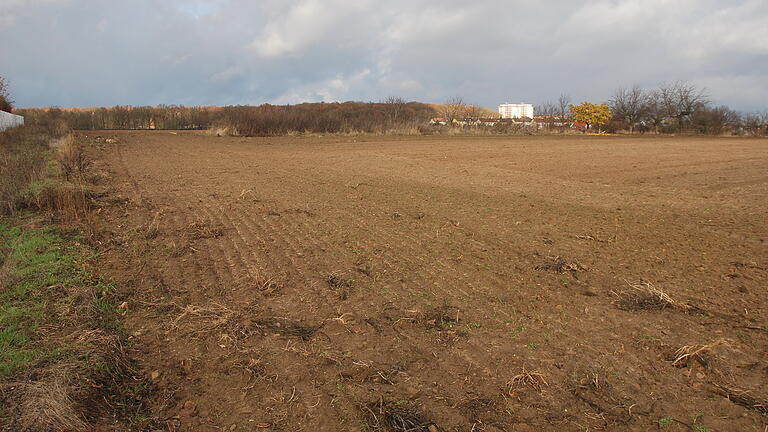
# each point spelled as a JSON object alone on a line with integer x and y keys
{"x": 84, "y": 53}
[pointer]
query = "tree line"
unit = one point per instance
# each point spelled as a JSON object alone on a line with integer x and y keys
{"x": 391, "y": 115}
{"x": 674, "y": 107}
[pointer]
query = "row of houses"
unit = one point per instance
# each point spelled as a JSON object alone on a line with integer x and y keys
{"x": 513, "y": 113}
{"x": 539, "y": 122}
{"x": 8, "y": 120}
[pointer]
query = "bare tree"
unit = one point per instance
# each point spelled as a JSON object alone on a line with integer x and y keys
{"x": 395, "y": 108}
{"x": 454, "y": 107}
{"x": 563, "y": 104}
{"x": 629, "y": 105}
{"x": 548, "y": 109}
{"x": 474, "y": 111}
{"x": 715, "y": 121}
{"x": 6, "y": 104}
{"x": 755, "y": 123}
{"x": 655, "y": 113}
{"x": 681, "y": 99}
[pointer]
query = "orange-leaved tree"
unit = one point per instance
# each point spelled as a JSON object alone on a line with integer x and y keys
{"x": 591, "y": 114}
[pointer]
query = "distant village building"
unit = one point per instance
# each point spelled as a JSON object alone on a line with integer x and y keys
{"x": 519, "y": 110}
{"x": 8, "y": 120}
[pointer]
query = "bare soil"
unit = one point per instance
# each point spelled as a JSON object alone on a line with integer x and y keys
{"x": 451, "y": 283}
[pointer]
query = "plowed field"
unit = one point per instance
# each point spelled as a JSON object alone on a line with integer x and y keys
{"x": 452, "y": 283}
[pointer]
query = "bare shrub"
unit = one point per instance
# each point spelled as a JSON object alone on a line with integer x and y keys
{"x": 64, "y": 202}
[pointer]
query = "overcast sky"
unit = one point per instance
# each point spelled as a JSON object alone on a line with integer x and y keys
{"x": 218, "y": 52}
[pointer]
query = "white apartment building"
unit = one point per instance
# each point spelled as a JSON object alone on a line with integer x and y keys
{"x": 510, "y": 110}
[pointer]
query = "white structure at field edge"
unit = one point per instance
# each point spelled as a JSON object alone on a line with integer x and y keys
{"x": 519, "y": 110}
{"x": 8, "y": 120}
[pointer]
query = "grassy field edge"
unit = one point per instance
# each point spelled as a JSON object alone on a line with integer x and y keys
{"x": 62, "y": 363}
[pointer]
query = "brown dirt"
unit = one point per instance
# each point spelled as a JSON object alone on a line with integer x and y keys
{"x": 306, "y": 283}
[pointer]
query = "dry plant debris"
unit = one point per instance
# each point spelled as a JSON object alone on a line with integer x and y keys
{"x": 694, "y": 352}
{"x": 743, "y": 398}
{"x": 47, "y": 402}
{"x": 288, "y": 328}
{"x": 561, "y": 265}
{"x": 442, "y": 317}
{"x": 531, "y": 379}
{"x": 202, "y": 230}
{"x": 384, "y": 416}
{"x": 644, "y": 295}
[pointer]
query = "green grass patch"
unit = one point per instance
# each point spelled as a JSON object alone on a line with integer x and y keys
{"x": 40, "y": 275}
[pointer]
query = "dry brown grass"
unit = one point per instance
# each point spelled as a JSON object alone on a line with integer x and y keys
{"x": 64, "y": 199}
{"x": 202, "y": 229}
{"x": 23, "y": 159}
{"x": 72, "y": 159}
{"x": 644, "y": 295}
{"x": 66, "y": 202}
{"x": 65, "y": 395}
{"x": 153, "y": 228}
{"x": 46, "y": 404}
{"x": 195, "y": 319}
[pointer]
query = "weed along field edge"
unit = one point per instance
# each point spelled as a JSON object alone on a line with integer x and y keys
{"x": 63, "y": 363}
{"x": 433, "y": 283}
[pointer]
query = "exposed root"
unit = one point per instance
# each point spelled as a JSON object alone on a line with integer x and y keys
{"x": 527, "y": 378}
